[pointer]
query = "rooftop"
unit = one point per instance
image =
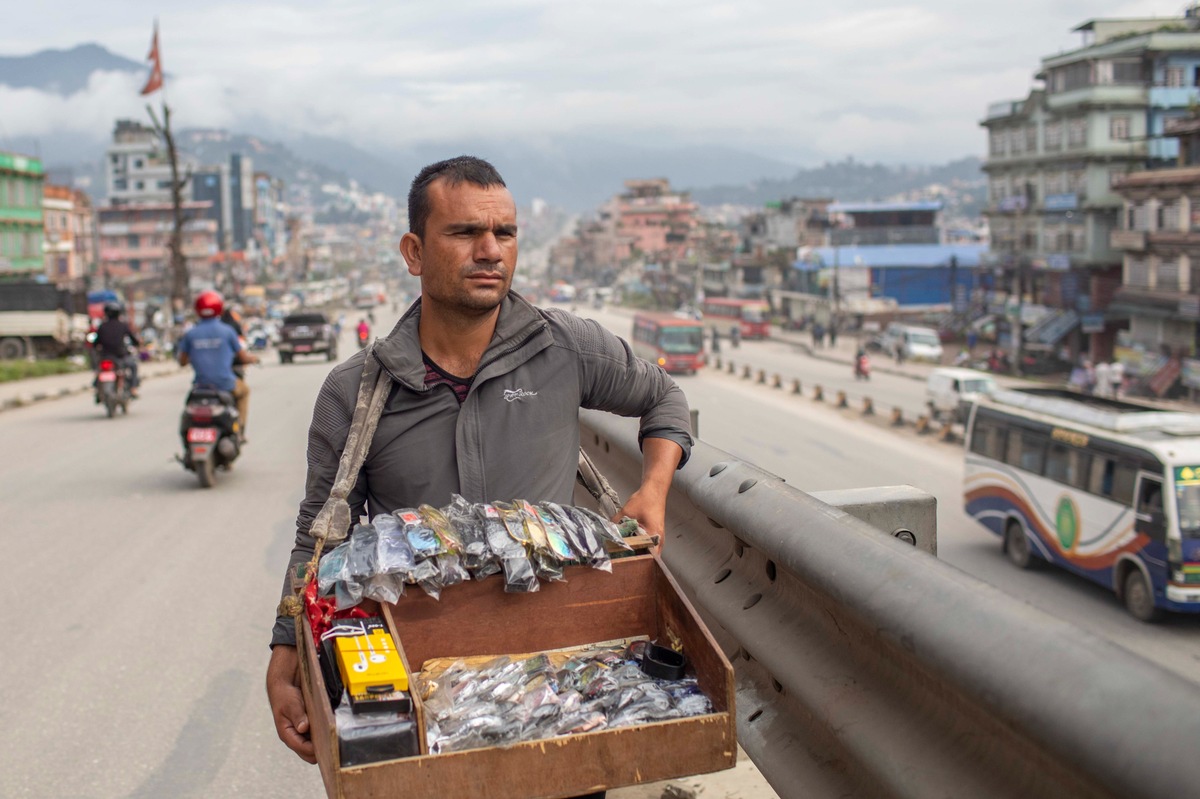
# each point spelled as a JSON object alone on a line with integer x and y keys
{"x": 867, "y": 208}
{"x": 892, "y": 255}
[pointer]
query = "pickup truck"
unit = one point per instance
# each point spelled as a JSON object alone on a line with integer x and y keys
{"x": 306, "y": 333}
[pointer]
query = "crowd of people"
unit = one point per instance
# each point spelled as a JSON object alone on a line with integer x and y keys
{"x": 1100, "y": 380}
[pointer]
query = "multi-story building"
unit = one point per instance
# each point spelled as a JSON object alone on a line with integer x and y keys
{"x": 21, "y": 227}
{"x": 229, "y": 190}
{"x": 1054, "y": 157}
{"x": 70, "y": 246}
{"x": 1160, "y": 289}
{"x": 138, "y": 168}
{"x": 270, "y": 215}
{"x": 134, "y": 240}
{"x": 656, "y": 221}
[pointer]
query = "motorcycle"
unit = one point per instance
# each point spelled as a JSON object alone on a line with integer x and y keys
{"x": 112, "y": 387}
{"x": 862, "y": 368}
{"x": 210, "y": 430}
{"x": 364, "y": 336}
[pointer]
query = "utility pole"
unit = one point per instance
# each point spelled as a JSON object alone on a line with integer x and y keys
{"x": 1022, "y": 279}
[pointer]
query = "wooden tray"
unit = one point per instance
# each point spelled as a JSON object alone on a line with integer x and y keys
{"x": 477, "y": 618}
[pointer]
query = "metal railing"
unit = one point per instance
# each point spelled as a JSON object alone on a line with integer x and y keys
{"x": 866, "y": 667}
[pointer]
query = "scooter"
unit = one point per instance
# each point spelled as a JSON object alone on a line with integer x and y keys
{"x": 211, "y": 433}
{"x": 112, "y": 387}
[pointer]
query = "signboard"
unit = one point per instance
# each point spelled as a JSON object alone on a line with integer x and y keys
{"x": 1189, "y": 306}
{"x": 1061, "y": 202}
{"x": 1092, "y": 323}
{"x": 1190, "y": 373}
{"x": 1014, "y": 202}
{"x": 1059, "y": 262}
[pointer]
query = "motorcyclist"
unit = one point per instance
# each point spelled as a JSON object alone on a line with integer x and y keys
{"x": 364, "y": 332}
{"x": 862, "y": 365}
{"x": 111, "y": 338}
{"x": 211, "y": 348}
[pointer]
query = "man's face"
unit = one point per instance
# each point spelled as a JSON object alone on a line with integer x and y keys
{"x": 468, "y": 254}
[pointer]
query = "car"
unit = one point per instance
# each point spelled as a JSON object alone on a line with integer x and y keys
{"x": 306, "y": 333}
{"x": 913, "y": 343}
{"x": 950, "y": 391}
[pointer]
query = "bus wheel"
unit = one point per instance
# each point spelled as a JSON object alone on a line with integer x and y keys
{"x": 1139, "y": 597}
{"x": 1016, "y": 545}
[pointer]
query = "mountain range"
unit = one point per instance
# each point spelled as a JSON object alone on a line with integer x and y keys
{"x": 576, "y": 171}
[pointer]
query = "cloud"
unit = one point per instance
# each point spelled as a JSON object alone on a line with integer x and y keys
{"x": 880, "y": 80}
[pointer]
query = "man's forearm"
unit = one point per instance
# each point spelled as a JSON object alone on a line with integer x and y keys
{"x": 660, "y": 459}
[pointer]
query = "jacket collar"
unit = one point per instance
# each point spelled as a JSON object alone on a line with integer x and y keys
{"x": 400, "y": 351}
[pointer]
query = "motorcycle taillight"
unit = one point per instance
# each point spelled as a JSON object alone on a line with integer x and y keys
{"x": 200, "y": 413}
{"x": 107, "y": 366}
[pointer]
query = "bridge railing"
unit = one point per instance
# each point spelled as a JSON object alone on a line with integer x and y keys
{"x": 867, "y": 667}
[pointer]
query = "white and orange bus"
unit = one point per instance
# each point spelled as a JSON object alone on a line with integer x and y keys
{"x": 674, "y": 343}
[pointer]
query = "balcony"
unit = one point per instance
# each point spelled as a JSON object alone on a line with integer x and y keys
{"x": 1129, "y": 94}
{"x": 1131, "y": 240}
{"x": 884, "y": 235}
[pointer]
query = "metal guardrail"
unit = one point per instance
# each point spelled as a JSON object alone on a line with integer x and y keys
{"x": 865, "y": 667}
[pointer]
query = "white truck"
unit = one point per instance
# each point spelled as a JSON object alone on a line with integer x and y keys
{"x": 39, "y": 320}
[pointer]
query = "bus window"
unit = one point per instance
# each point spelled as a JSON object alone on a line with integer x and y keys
{"x": 1027, "y": 451}
{"x": 1187, "y": 503}
{"x": 1067, "y": 465}
{"x": 1149, "y": 508}
{"x": 988, "y": 439}
{"x": 1108, "y": 478}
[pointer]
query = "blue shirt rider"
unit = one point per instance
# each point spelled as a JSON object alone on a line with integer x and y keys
{"x": 212, "y": 347}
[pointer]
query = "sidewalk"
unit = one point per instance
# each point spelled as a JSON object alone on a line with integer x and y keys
{"x": 19, "y": 393}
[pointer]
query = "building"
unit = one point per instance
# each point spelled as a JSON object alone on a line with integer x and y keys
{"x": 21, "y": 226}
{"x": 1054, "y": 157}
{"x": 70, "y": 246}
{"x": 138, "y": 168}
{"x": 229, "y": 190}
{"x": 655, "y": 221}
{"x": 270, "y": 215}
{"x": 134, "y": 241}
{"x": 1159, "y": 236}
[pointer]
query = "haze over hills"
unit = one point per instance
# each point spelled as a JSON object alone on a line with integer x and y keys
{"x": 576, "y": 171}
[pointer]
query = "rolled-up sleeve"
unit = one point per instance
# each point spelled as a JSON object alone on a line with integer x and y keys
{"x": 617, "y": 381}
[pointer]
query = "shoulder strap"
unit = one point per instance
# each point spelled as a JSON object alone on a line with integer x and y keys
{"x": 333, "y": 521}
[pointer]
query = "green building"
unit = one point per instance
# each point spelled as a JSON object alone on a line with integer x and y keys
{"x": 21, "y": 227}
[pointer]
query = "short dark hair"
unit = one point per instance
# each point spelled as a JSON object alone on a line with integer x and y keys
{"x": 455, "y": 171}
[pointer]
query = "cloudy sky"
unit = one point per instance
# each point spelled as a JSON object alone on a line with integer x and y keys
{"x": 900, "y": 82}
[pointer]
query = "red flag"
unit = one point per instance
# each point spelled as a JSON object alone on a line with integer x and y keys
{"x": 155, "y": 81}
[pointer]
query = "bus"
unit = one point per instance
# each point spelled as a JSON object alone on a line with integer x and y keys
{"x": 674, "y": 343}
{"x": 1104, "y": 488}
{"x": 749, "y": 315}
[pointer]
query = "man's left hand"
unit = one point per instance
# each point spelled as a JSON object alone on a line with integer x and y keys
{"x": 650, "y": 510}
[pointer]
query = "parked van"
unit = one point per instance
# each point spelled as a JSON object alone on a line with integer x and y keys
{"x": 915, "y": 343}
{"x": 950, "y": 391}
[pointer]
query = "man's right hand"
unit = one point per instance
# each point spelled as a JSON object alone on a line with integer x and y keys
{"x": 287, "y": 702}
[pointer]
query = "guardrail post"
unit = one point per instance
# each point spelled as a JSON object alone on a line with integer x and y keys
{"x": 731, "y": 368}
{"x": 922, "y": 424}
{"x": 947, "y": 432}
{"x": 868, "y": 407}
{"x": 762, "y": 376}
{"x": 796, "y": 386}
{"x": 842, "y": 402}
{"x": 745, "y": 372}
{"x": 818, "y": 394}
{"x": 777, "y": 382}
{"x": 897, "y": 417}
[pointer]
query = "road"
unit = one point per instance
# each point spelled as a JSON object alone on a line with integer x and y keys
{"x": 140, "y": 604}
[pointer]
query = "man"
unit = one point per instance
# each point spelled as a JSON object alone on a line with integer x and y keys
{"x": 1116, "y": 377}
{"x": 211, "y": 348}
{"x": 486, "y": 396}
{"x": 110, "y": 343}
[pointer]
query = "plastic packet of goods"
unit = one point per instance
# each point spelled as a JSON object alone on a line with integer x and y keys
{"x": 606, "y": 530}
{"x": 332, "y": 569}
{"x": 555, "y": 536}
{"x": 450, "y": 568}
{"x": 477, "y": 556}
{"x": 384, "y": 588}
{"x": 500, "y": 520}
{"x": 347, "y": 594}
{"x": 421, "y": 537}
{"x": 581, "y": 536}
{"x": 499, "y": 540}
{"x": 520, "y": 576}
{"x": 363, "y": 560}
{"x": 395, "y": 553}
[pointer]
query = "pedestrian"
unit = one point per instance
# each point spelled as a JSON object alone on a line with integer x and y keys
{"x": 484, "y": 386}
{"x": 735, "y": 336}
{"x": 900, "y": 353}
{"x": 1116, "y": 376}
{"x": 972, "y": 340}
{"x": 716, "y": 341}
{"x": 833, "y": 331}
{"x": 1101, "y": 382}
{"x": 818, "y": 333}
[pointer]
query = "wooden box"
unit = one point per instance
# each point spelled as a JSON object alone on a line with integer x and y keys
{"x": 638, "y": 598}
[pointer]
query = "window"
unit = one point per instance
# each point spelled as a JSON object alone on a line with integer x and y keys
{"x": 1150, "y": 497}
{"x": 1173, "y": 77}
{"x": 1026, "y": 451}
{"x": 1031, "y": 138}
{"x": 988, "y": 439}
{"x": 997, "y": 143}
{"x": 1056, "y": 183}
{"x": 1137, "y": 273}
{"x": 1054, "y": 135}
{"x": 1168, "y": 216}
{"x": 1067, "y": 465}
{"x": 120, "y": 184}
{"x": 1167, "y": 276}
{"x": 1128, "y": 72}
{"x": 132, "y": 240}
{"x": 1110, "y": 478}
{"x": 1118, "y": 127}
{"x": 1076, "y": 133}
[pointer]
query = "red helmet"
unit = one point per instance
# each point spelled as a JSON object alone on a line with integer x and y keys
{"x": 209, "y": 304}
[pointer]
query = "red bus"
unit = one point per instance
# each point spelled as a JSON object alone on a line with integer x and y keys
{"x": 750, "y": 315}
{"x": 674, "y": 343}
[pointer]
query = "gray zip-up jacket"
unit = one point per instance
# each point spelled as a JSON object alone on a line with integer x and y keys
{"x": 516, "y": 436}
